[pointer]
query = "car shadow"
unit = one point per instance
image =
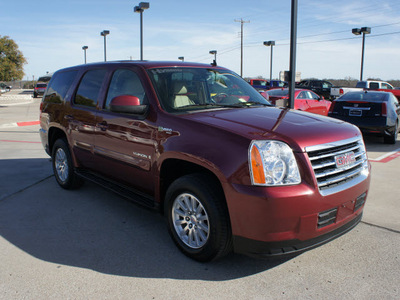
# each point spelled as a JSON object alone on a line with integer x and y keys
{"x": 376, "y": 147}
{"x": 95, "y": 229}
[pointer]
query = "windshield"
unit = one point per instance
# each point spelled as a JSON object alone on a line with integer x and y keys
{"x": 190, "y": 89}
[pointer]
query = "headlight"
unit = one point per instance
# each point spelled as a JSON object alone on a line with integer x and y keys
{"x": 272, "y": 163}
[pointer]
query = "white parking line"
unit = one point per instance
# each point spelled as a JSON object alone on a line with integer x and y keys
{"x": 387, "y": 157}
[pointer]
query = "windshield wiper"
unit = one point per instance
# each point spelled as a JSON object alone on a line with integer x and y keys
{"x": 251, "y": 103}
{"x": 212, "y": 105}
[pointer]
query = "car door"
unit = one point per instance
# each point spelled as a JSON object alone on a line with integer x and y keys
{"x": 300, "y": 102}
{"x": 317, "y": 104}
{"x": 81, "y": 116}
{"x": 124, "y": 143}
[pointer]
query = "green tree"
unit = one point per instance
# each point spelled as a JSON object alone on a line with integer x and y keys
{"x": 12, "y": 60}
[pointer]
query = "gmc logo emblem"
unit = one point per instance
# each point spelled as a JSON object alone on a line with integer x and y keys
{"x": 344, "y": 160}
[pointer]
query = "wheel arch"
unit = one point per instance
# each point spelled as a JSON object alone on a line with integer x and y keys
{"x": 54, "y": 134}
{"x": 174, "y": 168}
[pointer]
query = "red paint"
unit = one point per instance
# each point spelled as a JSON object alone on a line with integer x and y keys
{"x": 28, "y": 123}
{"x": 386, "y": 159}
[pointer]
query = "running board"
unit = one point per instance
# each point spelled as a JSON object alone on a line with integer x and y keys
{"x": 122, "y": 190}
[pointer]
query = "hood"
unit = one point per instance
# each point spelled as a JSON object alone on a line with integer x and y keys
{"x": 298, "y": 129}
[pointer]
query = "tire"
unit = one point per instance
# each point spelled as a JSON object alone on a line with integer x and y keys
{"x": 197, "y": 218}
{"x": 63, "y": 167}
{"x": 392, "y": 138}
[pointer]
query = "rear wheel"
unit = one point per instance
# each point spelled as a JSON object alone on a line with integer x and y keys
{"x": 197, "y": 218}
{"x": 392, "y": 138}
{"x": 62, "y": 166}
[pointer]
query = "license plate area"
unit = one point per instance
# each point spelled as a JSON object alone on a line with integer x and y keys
{"x": 355, "y": 112}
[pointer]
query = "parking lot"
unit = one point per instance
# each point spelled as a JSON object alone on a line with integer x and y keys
{"x": 91, "y": 243}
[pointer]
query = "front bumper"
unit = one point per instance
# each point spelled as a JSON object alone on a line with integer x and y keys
{"x": 274, "y": 221}
{"x": 270, "y": 249}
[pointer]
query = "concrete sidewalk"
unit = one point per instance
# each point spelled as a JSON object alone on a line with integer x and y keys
{"x": 16, "y": 97}
{"x": 19, "y": 108}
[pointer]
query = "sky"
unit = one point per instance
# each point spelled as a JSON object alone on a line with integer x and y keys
{"x": 51, "y": 33}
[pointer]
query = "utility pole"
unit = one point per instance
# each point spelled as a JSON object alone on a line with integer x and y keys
{"x": 241, "y": 44}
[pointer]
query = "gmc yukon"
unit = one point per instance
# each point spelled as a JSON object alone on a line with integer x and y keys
{"x": 229, "y": 171}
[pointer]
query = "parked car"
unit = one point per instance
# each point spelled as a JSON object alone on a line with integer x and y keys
{"x": 258, "y": 84}
{"x": 39, "y": 89}
{"x": 4, "y": 88}
{"x": 304, "y": 100}
{"x": 366, "y": 85}
{"x": 228, "y": 170}
{"x": 373, "y": 112}
{"x": 320, "y": 87}
{"x": 263, "y": 85}
{"x": 271, "y": 84}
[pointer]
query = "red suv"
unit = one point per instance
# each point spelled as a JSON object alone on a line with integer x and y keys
{"x": 227, "y": 169}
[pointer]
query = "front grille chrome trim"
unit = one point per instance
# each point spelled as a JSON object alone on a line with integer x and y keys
{"x": 331, "y": 178}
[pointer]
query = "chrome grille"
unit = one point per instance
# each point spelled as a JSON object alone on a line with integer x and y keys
{"x": 332, "y": 178}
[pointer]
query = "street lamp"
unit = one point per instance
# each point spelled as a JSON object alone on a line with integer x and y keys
{"x": 358, "y": 31}
{"x": 139, "y": 9}
{"x": 272, "y": 44}
{"x": 84, "y": 48}
{"x": 214, "y": 52}
{"x": 105, "y": 33}
{"x": 181, "y": 58}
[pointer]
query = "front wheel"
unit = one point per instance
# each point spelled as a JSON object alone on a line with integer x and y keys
{"x": 197, "y": 218}
{"x": 62, "y": 166}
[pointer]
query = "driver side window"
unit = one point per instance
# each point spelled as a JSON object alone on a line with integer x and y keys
{"x": 125, "y": 82}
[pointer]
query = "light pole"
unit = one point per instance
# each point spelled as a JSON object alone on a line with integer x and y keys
{"x": 292, "y": 61}
{"x": 272, "y": 44}
{"x": 214, "y": 52}
{"x": 105, "y": 33}
{"x": 358, "y": 31}
{"x": 84, "y": 48}
{"x": 139, "y": 9}
{"x": 181, "y": 58}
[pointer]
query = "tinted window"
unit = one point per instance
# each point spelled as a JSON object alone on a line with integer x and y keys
{"x": 59, "y": 86}
{"x": 125, "y": 82}
{"x": 278, "y": 92}
{"x": 374, "y": 85}
{"x": 361, "y": 84}
{"x": 379, "y": 97}
{"x": 89, "y": 88}
{"x": 41, "y": 85}
{"x": 259, "y": 82}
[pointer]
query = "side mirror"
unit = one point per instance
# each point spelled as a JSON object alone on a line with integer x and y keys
{"x": 127, "y": 104}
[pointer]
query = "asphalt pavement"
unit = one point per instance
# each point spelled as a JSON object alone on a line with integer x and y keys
{"x": 92, "y": 244}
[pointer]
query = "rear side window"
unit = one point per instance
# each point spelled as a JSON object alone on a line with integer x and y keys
{"x": 89, "y": 88}
{"x": 59, "y": 86}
